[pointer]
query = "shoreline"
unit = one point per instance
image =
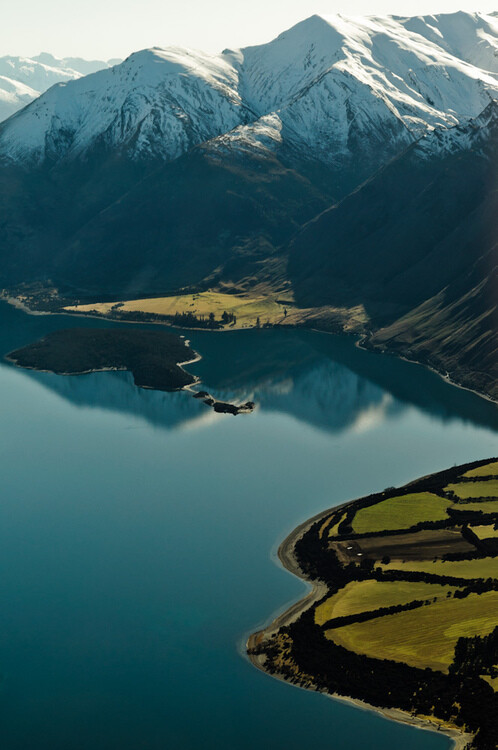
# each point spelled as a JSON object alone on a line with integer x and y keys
{"x": 218, "y": 406}
{"x": 187, "y": 387}
{"x": 288, "y": 560}
{"x": 363, "y": 338}
{"x": 360, "y": 343}
{"x": 285, "y": 552}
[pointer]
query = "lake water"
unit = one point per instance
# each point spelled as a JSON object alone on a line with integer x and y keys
{"x": 138, "y": 532}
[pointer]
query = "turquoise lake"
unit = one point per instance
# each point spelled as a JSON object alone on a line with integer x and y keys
{"x": 138, "y": 532}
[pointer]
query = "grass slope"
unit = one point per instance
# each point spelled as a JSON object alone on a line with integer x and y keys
{"x": 423, "y": 637}
{"x": 362, "y": 596}
{"x": 486, "y": 567}
{"x": 400, "y": 513}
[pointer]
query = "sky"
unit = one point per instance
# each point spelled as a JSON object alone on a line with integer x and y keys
{"x": 104, "y": 29}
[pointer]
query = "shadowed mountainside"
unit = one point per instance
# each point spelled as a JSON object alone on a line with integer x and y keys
{"x": 417, "y": 246}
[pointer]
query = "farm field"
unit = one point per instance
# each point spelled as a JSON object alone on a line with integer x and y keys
{"x": 246, "y": 308}
{"x": 400, "y": 512}
{"x": 415, "y": 545}
{"x": 485, "y": 532}
{"x": 483, "y": 506}
{"x": 424, "y": 637}
{"x": 488, "y": 470}
{"x": 465, "y": 490}
{"x": 486, "y": 567}
{"x": 334, "y": 530}
{"x": 435, "y": 654}
{"x": 493, "y": 681}
{"x": 365, "y": 596}
{"x": 325, "y": 525}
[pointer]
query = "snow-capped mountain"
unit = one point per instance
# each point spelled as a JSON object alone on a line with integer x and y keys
{"x": 23, "y": 79}
{"x": 80, "y": 65}
{"x": 470, "y": 135}
{"x": 344, "y": 90}
{"x": 339, "y": 82}
{"x": 351, "y": 160}
{"x": 156, "y": 103}
{"x": 13, "y": 96}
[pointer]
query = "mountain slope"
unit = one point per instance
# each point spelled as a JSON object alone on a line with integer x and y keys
{"x": 155, "y": 104}
{"x": 417, "y": 246}
{"x": 454, "y": 331}
{"x": 222, "y": 219}
{"x": 13, "y": 96}
{"x": 352, "y": 158}
{"x": 23, "y": 79}
{"x": 349, "y": 92}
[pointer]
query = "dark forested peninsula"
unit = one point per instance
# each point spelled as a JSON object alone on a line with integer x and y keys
{"x": 153, "y": 357}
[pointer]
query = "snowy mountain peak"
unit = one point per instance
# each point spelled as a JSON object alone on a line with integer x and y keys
{"x": 153, "y": 65}
{"x": 343, "y": 89}
{"x": 33, "y": 76}
{"x": 78, "y": 64}
{"x": 157, "y": 103}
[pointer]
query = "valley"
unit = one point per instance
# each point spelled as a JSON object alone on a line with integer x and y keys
{"x": 303, "y": 231}
{"x": 346, "y": 167}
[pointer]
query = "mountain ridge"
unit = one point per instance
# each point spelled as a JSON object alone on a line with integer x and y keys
{"x": 335, "y": 84}
{"x": 24, "y": 79}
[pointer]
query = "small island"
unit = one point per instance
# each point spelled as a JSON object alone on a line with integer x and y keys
{"x": 403, "y": 612}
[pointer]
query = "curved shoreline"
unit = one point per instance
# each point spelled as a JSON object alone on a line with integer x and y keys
{"x": 91, "y": 371}
{"x": 361, "y": 340}
{"x": 218, "y": 406}
{"x": 287, "y": 558}
{"x": 446, "y": 377}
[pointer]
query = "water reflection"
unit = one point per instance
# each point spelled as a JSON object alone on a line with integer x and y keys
{"x": 133, "y": 559}
{"x": 323, "y": 380}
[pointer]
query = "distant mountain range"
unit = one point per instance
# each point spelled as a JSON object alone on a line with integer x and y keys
{"x": 23, "y": 79}
{"x": 350, "y": 158}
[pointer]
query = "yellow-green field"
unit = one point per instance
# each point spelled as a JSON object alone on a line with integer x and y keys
{"x": 493, "y": 681}
{"x": 246, "y": 308}
{"x": 466, "y": 490}
{"x": 262, "y": 302}
{"x": 335, "y": 528}
{"x": 485, "y": 532}
{"x": 365, "y": 596}
{"x": 485, "y": 567}
{"x": 400, "y": 513}
{"x": 325, "y": 525}
{"x": 488, "y": 470}
{"x": 485, "y": 506}
{"x": 423, "y": 637}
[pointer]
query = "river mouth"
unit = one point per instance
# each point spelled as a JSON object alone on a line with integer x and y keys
{"x": 136, "y": 529}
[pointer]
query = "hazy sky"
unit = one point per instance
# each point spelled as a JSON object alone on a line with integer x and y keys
{"x": 114, "y": 28}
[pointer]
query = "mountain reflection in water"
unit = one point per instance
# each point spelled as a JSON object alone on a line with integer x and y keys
{"x": 135, "y": 546}
{"x": 320, "y": 379}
